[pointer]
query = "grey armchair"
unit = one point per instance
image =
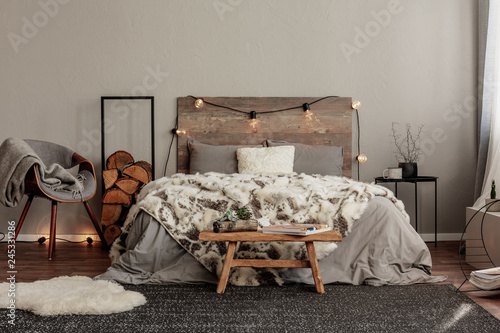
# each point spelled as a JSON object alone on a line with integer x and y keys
{"x": 51, "y": 153}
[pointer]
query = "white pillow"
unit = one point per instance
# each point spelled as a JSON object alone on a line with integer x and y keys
{"x": 270, "y": 160}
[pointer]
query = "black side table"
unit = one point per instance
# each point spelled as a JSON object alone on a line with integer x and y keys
{"x": 416, "y": 180}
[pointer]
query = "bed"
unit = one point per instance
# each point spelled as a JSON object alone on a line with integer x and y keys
{"x": 292, "y": 169}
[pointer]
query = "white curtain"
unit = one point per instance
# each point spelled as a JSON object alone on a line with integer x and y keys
{"x": 491, "y": 101}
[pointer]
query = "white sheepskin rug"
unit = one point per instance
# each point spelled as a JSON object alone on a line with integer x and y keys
{"x": 67, "y": 295}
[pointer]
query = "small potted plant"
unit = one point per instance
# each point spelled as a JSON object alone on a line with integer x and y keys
{"x": 407, "y": 149}
{"x": 494, "y": 207}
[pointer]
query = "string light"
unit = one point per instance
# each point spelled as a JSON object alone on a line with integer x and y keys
{"x": 178, "y": 131}
{"x": 307, "y": 109}
{"x": 361, "y": 158}
{"x": 253, "y": 121}
{"x": 201, "y": 102}
{"x": 198, "y": 103}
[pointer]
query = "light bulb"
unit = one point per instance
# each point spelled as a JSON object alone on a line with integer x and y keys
{"x": 198, "y": 103}
{"x": 253, "y": 123}
{"x": 361, "y": 158}
{"x": 307, "y": 111}
{"x": 180, "y": 132}
{"x": 356, "y": 104}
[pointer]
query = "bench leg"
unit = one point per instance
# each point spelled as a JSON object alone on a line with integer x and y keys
{"x": 224, "y": 275}
{"x": 313, "y": 260}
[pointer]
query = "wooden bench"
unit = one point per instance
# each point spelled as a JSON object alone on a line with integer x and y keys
{"x": 259, "y": 236}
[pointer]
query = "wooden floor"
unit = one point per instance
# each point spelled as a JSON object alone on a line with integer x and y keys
{"x": 89, "y": 260}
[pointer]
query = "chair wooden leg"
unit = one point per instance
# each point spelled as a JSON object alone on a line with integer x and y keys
{"x": 96, "y": 224}
{"x": 23, "y": 215}
{"x": 52, "y": 239}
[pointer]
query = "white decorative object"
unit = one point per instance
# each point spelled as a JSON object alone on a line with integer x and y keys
{"x": 67, "y": 295}
{"x": 266, "y": 160}
{"x": 392, "y": 173}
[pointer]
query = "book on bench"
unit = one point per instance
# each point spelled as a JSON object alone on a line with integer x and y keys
{"x": 296, "y": 229}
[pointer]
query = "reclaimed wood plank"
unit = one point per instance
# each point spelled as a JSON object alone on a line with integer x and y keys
{"x": 270, "y": 263}
{"x": 224, "y": 275}
{"x": 259, "y": 236}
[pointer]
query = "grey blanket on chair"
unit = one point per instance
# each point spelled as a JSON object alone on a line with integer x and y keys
{"x": 16, "y": 158}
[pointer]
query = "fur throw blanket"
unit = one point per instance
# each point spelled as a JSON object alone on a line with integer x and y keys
{"x": 17, "y": 158}
{"x": 187, "y": 204}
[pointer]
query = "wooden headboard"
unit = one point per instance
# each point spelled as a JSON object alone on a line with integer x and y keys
{"x": 331, "y": 124}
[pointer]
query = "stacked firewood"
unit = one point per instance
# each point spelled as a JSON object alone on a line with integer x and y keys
{"x": 123, "y": 180}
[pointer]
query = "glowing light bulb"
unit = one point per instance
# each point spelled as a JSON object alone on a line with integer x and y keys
{"x": 180, "y": 132}
{"x": 253, "y": 121}
{"x": 308, "y": 115}
{"x": 307, "y": 111}
{"x": 361, "y": 158}
{"x": 356, "y": 104}
{"x": 198, "y": 103}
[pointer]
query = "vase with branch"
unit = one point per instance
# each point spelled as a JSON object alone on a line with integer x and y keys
{"x": 407, "y": 149}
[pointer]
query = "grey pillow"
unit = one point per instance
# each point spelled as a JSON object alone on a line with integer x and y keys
{"x": 323, "y": 160}
{"x": 212, "y": 158}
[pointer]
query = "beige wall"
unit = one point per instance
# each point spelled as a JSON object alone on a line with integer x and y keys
{"x": 412, "y": 61}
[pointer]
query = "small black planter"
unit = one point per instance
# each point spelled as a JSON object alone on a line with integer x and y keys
{"x": 410, "y": 170}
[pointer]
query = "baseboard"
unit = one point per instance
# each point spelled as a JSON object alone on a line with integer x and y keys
{"x": 441, "y": 237}
{"x": 69, "y": 237}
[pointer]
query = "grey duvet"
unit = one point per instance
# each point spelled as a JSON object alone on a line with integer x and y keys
{"x": 379, "y": 248}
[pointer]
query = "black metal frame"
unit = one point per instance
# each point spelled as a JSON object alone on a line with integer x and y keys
{"x": 462, "y": 246}
{"x": 419, "y": 179}
{"x": 152, "y": 100}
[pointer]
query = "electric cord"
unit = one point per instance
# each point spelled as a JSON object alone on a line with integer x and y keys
{"x": 42, "y": 240}
{"x": 262, "y": 112}
{"x": 359, "y": 136}
{"x": 170, "y": 146}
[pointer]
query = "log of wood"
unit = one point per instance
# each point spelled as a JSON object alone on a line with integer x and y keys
{"x": 116, "y": 196}
{"x": 119, "y": 159}
{"x": 109, "y": 177}
{"x": 137, "y": 172}
{"x": 234, "y": 226}
{"x": 146, "y": 166}
{"x": 110, "y": 213}
{"x": 128, "y": 185}
{"x": 111, "y": 233}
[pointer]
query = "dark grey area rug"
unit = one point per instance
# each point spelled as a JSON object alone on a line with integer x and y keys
{"x": 292, "y": 308}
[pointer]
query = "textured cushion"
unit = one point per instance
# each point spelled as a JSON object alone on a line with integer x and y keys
{"x": 323, "y": 160}
{"x": 268, "y": 160}
{"x": 211, "y": 158}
